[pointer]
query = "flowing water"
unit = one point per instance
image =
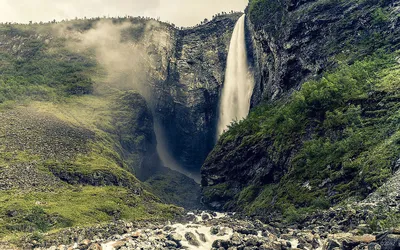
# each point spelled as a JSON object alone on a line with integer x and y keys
{"x": 239, "y": 82}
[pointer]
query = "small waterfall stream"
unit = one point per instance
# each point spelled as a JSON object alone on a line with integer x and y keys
{"x": 239, "y": 83}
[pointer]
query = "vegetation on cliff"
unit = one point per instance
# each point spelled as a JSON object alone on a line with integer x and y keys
{"x": 339, "y": 134}
{"x": 326, "y": 130}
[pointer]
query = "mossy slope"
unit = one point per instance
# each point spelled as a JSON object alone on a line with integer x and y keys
{"x": 335, "y": 138}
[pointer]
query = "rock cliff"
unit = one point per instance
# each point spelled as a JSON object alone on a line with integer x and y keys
{"x": 186, "y": 102}
{"x": 273, "y": 161}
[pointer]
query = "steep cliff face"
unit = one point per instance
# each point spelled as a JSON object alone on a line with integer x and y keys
{"x": 297, "y": 147}
{"x": 133, "y": 126}
{"x": 186, "y": 102}
{"x": 302, "y": 39}
{"x": 178, "y": 71}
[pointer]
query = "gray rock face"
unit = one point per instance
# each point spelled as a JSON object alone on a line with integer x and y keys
{"x": 133, "y": 126}
{"x": 288, "y": 53}
{"x": 186, "y": 102}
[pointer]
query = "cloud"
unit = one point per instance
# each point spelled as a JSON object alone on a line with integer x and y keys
{"x": 180, "y": 12}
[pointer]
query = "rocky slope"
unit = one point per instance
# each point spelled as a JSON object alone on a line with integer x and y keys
{"x": 318, "y": 138}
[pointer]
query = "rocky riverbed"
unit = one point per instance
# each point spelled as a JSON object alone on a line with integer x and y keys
{"x": 209, "y": 230}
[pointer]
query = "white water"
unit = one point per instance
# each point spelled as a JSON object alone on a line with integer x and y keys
{"x": 239, "y": 83}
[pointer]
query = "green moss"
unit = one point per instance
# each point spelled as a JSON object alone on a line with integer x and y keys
{"x": 219, "y": 190}
{"x": 42, "y": 68}
{"x": 75, "y": 206}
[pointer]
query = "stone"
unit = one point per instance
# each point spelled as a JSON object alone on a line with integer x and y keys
{"x": 205, "y": 217}
{"x": 221, "y": 244}
{"x": 118, "y": 245}
{"x": 390, "y": 242}
{"x": 192, "y": 239}
{"x": 175, "y": 237}
{"x": 84, "y": 242}
{"x": 332, "y": 244}
{"x": 248, "y": 231}
{"x": 95, "y": 246}
{"x": 202, "y": 236}
{"x": 214, "y": 230}
{"x": 136, "y": 234}
{"x": 171, "y": 244}
{"x": 236, "y": 239}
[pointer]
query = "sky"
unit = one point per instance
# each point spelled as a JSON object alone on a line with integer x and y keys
{"x": 179, "y": 12}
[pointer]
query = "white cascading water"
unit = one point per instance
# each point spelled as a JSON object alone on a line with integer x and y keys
{"x": 239, "y": 83}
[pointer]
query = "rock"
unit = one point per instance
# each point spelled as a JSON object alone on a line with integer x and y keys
{"x": 332, "y": 244}
{"x": 118, "y": 245}
{"x": 192, "y": 239}
{"x": 223, "y": 231}
{"x": 175, "y": 237}
{"x": 214, "y": 230}
{"x": 374, "y": 246}
{"x": 221, "y": 244}
{"x": 248, "y": 231}
{"x": 171, "y": 244}
{"x": 84, "y": 242}
{"x": 202, "y": 237}
{"x": 390, "y": 242}
{"x": 95, "y": 246}
{"x": 136, "y": 235}
{"x": 236, "y": 239}
{"x": 205, "y": 217}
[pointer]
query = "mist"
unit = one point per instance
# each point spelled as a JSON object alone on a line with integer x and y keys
{"x": 180, "y": 12}
{"x": 128, "y": 63}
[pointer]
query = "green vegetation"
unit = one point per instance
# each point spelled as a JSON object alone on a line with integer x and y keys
{"x": 344, "y": 131}
{"x": 63, "y": 152}
{"x": 36, "y": 66}
{"x": 267, "y": 14}
{"x": 175, "y": 188}
{"x": 75, "y": 206}
{"x": 96, "y": 185}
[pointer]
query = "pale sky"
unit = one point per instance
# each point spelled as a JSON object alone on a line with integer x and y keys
{"x": 180, "y": 12}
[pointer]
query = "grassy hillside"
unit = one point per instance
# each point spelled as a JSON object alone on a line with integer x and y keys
{"x": 67, "y": 155}
{"x": 59, "y": 168}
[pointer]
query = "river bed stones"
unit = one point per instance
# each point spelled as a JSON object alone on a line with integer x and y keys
{"x": 223, "y": 231}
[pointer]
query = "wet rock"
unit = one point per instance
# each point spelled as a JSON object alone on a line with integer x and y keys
{"x": 192, "y": 239}
{"x": 374, "y": 246}
{"x": 205, "y": 217}
{"x": 175, "y": 237}
{"x": 221, "y": 244}
{"x": 202, "y": 237}
{"x": 214, "y": 230}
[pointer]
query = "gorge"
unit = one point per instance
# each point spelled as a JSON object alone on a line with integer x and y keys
{"x": 287, "y": 115}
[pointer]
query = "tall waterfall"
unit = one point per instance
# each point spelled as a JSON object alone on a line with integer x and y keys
{"x": 239, "y": 83}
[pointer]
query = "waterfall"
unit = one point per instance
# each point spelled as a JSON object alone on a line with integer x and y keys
{"x": 239, "y": 83}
